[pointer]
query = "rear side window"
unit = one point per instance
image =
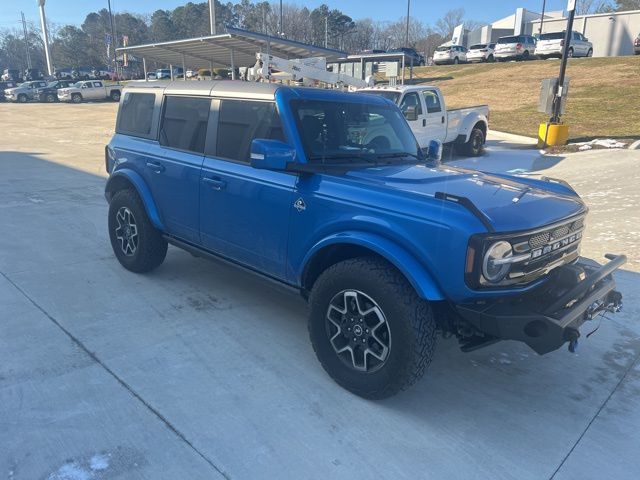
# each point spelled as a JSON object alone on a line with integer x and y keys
{"x": 240, "y": 121}
{"x": 184, "y": 123}
{"x": 136, "y": 113}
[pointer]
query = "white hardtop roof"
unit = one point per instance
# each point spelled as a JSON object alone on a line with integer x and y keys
{"x": 397, "y": 88}
{"x": 223, "y": 88}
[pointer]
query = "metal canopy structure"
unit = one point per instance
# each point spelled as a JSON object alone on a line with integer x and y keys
{"x": 234, "y": 48}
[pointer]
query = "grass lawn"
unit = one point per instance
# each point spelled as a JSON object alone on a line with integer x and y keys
{"x": 604, "y": 94}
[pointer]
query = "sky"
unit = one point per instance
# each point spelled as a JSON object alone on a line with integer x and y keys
{"x": 428, "y": 11}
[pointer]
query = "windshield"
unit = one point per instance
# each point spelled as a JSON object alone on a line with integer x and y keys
{"x": 389, "y": 95}
{"x": 552, "y": 36}
{"x": 508, "y": 40}
{"x": 52, "y": 84}
{"x": 443, "y": 49}
{"x": 479, "y": 46}
{"x": 338, "y": 133}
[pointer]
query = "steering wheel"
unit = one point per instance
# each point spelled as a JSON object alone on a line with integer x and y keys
{"x": 379, "y": 143}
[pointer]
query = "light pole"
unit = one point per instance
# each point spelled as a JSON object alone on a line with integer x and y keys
{"x": 113, "y": 40}
{"x": 406, "y": 33}
{"x": 212, "y": 16}
{"x": 45, "y": 37}
{"x": 544, "y": 5}
{"x": 281, "y": 32}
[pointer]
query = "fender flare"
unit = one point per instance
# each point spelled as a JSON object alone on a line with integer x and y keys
{"x": 418, "y": 276}
{"x": 115, "y": 182}
{"x": 467, "y": 125}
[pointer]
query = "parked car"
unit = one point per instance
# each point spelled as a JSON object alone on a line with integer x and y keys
{"x": 63, "y": 74}
{"x": 329, "y": 194}
{"x": 11, "y": 75}
{"x": 552, "y": 45}
{"x": 24, "y": 91}
{"x": 450, "y": 54}
{"x": 151, "y": 76}
{"x": 516, "y": 47}
{"x": 425, "y": 110}
{"x": 49, "y": 93}
{"x": 4, "y": 86}
{"x": 165, "y": 73}
{"x": 89, "y": 90}
{"x": 481, "y": 52}
{"x": 205, "y": 74}
{"x": 191, "y": 73}
{"x": 371, "y": 51}
{"x": 411, "y": 54}
{"x": 636, "y": 45}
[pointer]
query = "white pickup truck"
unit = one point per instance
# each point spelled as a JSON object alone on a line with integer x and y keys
{"x": 90, "y": 90}
{"x": 425, "y": 111}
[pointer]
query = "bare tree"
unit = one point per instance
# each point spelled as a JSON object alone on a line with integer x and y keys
{"x": 584, "y": 7}
{"x": 446, "y": 25}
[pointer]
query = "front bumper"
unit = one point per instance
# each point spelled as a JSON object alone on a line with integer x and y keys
{"x": 545, "y": 319}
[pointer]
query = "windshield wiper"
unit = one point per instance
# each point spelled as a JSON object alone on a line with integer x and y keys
{"x": 341, "y": 156}
{"x": 398, "y": 155}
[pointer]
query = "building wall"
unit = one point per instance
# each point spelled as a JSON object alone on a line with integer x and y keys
{"x": 612, "y": 34}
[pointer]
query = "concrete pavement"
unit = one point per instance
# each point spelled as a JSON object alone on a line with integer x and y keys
{"x": 199, "y": 370}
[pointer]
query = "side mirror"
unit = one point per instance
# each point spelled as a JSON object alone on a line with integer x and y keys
{"x": 411, "y": 114}
{"x": 271, "y": 154}
{"x": 434, "y": 152}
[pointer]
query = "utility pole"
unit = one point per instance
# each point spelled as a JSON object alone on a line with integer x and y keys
{"x": 326, "y": 31}
{"x": 406, "y": 33}
{"x": 45, "y": 37}
{"x": 557, "y": 101}
{"x": 26, "y": 40}
{"x": 113, "y": 40}
{"x": 544, "y": 5}
{"x": 281, "y": 32}
{"x": 212, "y": 16}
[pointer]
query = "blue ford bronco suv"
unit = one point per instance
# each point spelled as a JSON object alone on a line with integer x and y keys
{"x": 328, "y": 192}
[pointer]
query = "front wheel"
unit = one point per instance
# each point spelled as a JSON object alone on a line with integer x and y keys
{"x": 570, "y": 54}
{"x": 76, "y": 98}
{"x": 115, "y": 96}
{"x": 137, "y": 244}
{"x": 50, "y": 98}
{"x": 22, "y": 98}
{"x": 590, "y": 53}
{"x": 371, "y": 332}
{"x": 456, "y": 61}
{"x": 475, "y": 145}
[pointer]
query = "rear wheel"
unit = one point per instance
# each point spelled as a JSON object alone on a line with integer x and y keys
{"x": 590, "y": 52}
{"x": 456, "y": 61}
{"x": 475, "y": 145}
{"x": 371, "y": 332}
{"x": 491, "y": 59}
{"x": 137, "y": 244}
{"x": 570, "y": 54}
{"x": 115, "y": 96}
{"x": 22, "y": 98}
{"x": 525, "y": 55}
{"x": 50, "y": 98}
{"x": 76, "y": 98}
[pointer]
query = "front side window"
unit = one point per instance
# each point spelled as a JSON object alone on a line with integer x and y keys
{"x": 240, "y": 122}
{"x": 411, "y": 100}
{"x": 432, "y": 101}
{"x": 136, "y": 113}
{"x": 353, "y": 133}
{"x": 184, "y": 123}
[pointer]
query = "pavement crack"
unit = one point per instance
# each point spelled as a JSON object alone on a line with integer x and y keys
{"x": 631, "y": 366}
{"x": 124, "y": 384}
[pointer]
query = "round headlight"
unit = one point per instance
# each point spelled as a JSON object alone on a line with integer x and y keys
{"x": 492, "y": 269}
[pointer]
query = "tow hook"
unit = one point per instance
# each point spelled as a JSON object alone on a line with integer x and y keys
{"x": 572, "y": 336}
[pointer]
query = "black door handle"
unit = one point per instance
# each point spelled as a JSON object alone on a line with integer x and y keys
{"x": 424, "y": 122}
{"x": 215, "y": 183}
{"x": 155, "y": 166}
{"x": 443, "y": 119}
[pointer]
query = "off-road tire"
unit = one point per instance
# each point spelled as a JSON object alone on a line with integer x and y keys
{"x": 151, "y": 247}
{"x": 475, "y": 145}
{"x": 115, "y": 96}
{"x": 76, "y": 98}
{"x": 410, "y": 320}
{"x": 22, "y": 98}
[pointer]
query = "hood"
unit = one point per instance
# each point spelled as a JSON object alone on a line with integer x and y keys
{"x": 509, "y": 205}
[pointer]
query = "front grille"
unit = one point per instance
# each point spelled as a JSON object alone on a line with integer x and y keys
{"x": 539, "y": 240}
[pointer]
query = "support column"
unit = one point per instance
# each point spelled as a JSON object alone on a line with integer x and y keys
{"x": 171, "y": 71}
{"x": 184, "y": 71}
{"x": 402, "y": 69}
{"x": 233, "y": 67}
{"x": 144, "y": 67}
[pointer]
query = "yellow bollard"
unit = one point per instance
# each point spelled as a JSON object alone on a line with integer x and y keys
{"x": 553, "y": 134}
